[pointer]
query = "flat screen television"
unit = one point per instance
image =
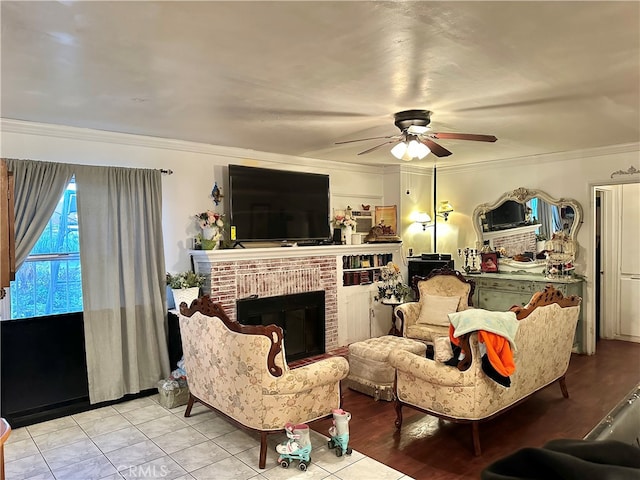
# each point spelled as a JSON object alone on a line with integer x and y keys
{"x": 278, "y": 205}
{"x": 508, "y": 215}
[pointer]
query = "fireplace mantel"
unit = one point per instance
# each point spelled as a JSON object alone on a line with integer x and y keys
{"x": 264, "y": 253}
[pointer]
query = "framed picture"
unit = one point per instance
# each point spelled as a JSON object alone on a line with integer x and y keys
{"x": 489, "y": 262}
{"x": 388, "y": 217}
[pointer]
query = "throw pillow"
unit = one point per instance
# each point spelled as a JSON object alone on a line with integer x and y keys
{"x": 435, "y": 309}
{"x": 443, "y": 350}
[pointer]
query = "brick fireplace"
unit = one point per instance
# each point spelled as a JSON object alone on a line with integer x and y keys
{"x": 233, "y": 278}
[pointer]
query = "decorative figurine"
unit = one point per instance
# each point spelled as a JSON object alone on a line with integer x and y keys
{"x": 469, "y": 254}
{"x": 216, "y": 194}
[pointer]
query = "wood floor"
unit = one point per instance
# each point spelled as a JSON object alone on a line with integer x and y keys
{"x": 427, "y": 448}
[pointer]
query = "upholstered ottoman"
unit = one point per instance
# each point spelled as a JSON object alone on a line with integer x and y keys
{"x": 369, "y": 370}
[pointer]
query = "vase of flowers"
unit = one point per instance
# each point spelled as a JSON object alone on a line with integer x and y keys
{"x": 212, "y": 225}
{"x": 347, "y": 224}
{"x": 185, "y": 287}
{"x": 391, "y": 287}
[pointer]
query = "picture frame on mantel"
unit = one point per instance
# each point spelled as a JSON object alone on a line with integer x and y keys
{"x": 387, "y": 216}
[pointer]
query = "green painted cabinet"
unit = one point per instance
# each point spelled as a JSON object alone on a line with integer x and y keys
{"x": 501, "y": 291}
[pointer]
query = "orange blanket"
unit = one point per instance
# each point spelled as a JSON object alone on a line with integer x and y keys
{"x": 498, "y": 350}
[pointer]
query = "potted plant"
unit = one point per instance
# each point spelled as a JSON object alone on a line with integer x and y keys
{"x": 185, "y": 286}
{"x": 392, "y": 288}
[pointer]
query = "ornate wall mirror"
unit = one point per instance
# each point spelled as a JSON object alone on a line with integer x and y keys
{"x": 521, "y": 218}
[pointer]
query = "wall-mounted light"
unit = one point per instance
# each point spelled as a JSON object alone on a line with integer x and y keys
{"x": 444, "y": 209}
{"x": 423, "y": 219}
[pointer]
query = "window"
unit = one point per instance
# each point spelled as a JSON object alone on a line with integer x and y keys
{"x": 49, "y": 280}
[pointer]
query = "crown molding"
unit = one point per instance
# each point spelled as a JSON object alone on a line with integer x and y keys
{"x": 236, "y": 154}
{"x": 241, "y": 154}
{"x": 537, "y": 160}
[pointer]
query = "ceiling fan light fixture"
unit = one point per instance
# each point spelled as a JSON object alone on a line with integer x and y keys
{"x": 406, "y": 157}
{"x": 418, "y": 129}
{"x": 399, "y": 150}
{"x": 413, "y": 148}
{"x": 423, "y": 150}
{"x": 414, "y": 141}
{"x": 408, "y": 150}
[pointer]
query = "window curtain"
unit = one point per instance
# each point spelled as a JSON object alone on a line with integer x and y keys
{"x": 38, "y": 187}
{"x": 557, "y": 221}
{"x": 545, "y": 215}
{"x": 123, "y": 279}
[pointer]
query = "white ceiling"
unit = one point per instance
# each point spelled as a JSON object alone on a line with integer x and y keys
{"x": 295, "y": 77}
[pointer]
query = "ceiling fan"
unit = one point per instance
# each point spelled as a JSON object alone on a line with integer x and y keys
{"x": 415, "y": 140}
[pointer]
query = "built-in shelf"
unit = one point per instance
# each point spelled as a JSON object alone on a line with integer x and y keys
{"x": 363, "y": 269}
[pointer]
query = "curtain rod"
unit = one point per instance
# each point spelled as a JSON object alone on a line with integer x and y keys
{"x": 166, "y": 171}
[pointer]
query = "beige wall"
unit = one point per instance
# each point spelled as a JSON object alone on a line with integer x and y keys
{"x": 197, "y": 166}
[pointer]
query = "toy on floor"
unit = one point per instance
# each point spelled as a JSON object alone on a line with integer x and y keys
{"x": 340, "y": 432}
{"x": 298, "y": 447}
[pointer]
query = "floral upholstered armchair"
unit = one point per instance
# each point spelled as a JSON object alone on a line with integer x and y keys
{"x": 241, "y": 371}
{"x": 466, "y": 393}
{"x": 443, "y": 291}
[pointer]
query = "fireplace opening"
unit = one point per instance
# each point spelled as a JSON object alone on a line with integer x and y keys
{"x": 301, "y": 317}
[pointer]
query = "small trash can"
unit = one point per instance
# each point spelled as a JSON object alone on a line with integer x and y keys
{"x": 173, "y": 392}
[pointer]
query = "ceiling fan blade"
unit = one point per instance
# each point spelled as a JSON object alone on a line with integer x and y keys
{"x": 377, "y": 146}
{"x": 436, "y": 149}
{"x": 464, "y": 136}
{"x": 371, "y": 138}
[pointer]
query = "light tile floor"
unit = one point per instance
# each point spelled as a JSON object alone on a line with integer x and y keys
{"x": 140, "y": 439}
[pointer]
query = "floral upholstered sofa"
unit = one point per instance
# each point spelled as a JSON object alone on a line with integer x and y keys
{"x": 465, "y": 393}
{"x": 241, "y": 371}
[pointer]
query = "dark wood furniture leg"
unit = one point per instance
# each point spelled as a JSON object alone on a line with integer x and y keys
{"x": 398, "y": 407}
{"x": 263, "y": 450}
{"x": 192, "y": 399}
{"x": 394, "y": 330}
{"x": 563, "y": 386}
{"x": 476, "y": 438}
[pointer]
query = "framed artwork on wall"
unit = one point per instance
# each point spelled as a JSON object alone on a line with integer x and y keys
{"x": 388, "y": 217}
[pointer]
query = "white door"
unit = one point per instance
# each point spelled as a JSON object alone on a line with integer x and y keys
{"x": 629, "y": 279}
{"x": 620, "y": 288}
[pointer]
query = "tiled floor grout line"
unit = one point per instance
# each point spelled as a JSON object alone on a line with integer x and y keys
{"x": 167, "y": 454}
{"x": 45, "y": 458}
{"x": 86, "y": 426}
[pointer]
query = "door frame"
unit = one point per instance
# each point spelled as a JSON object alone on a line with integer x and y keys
{"x": 609, "y": 301}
